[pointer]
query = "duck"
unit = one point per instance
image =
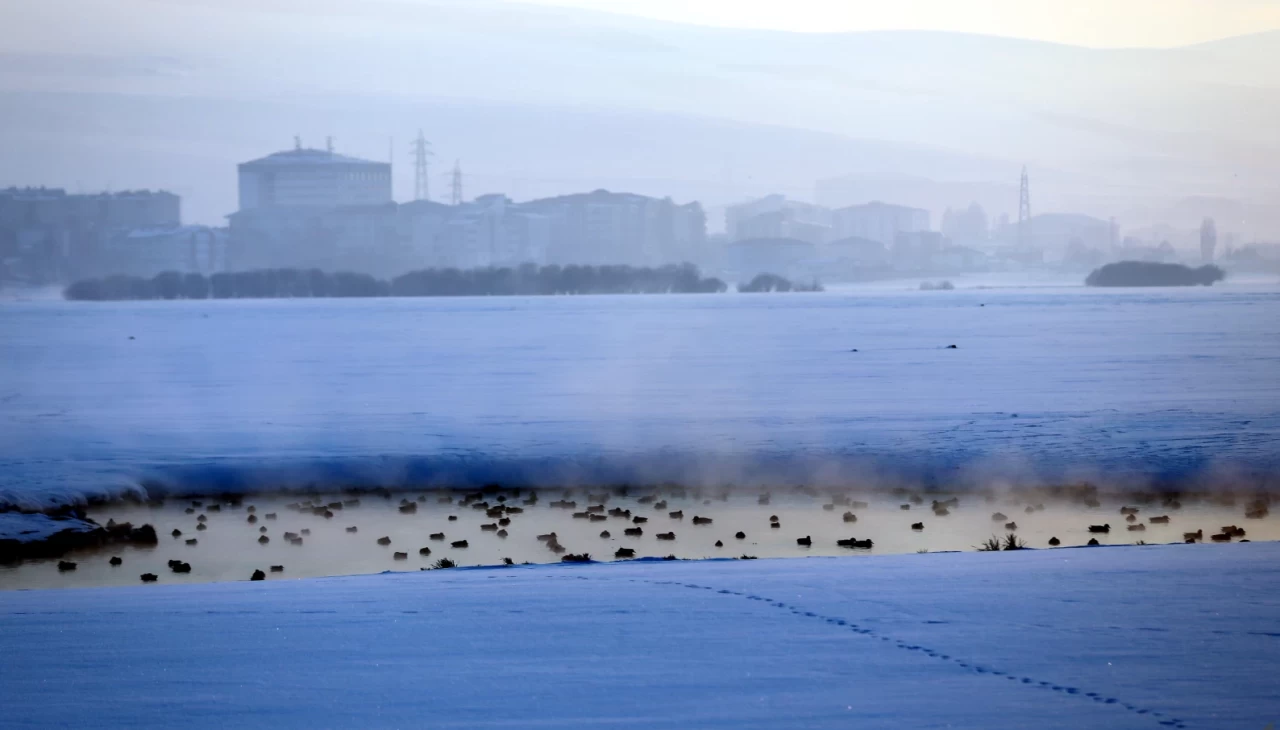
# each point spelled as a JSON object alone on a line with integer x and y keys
{"x": 1054, "y": 542}
{"x": 384, "y": 540}
{"x": 701, "y": 520}
{"x": 459, "y": 543}
{"x": 917, "y": 526}
{"x": 805, "y": 541}
{"x": 258, "y": 575}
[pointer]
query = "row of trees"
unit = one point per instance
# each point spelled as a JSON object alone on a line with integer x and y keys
{"x": 528, "y": 279}
{"x": 764, "y": 283}
{"x": 1148, "y": 273}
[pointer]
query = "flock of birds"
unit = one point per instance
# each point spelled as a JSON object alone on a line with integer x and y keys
{"x": 501, "y": 506}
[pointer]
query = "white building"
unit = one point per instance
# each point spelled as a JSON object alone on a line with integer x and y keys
{"x": 313, "y": 178}
{"x": 878, "y": 221}
{"x": 603, "y": 228}
{"x": 774, "y": 217}
{"x": 489, "y": 231}
{"x": 149, "y": 251}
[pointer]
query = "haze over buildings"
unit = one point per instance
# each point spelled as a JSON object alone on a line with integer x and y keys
{"x": 924, "y": 119}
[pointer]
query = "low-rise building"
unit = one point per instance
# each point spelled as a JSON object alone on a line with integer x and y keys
{"x": 878, "y": 221}
{"x": 49, "y": 235}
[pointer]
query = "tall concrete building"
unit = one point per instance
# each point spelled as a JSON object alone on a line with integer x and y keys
{"x": 315, "y": 208}
{"x": 313, "y": 178}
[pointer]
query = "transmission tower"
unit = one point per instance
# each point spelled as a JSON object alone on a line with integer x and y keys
{"x": 421, "y": 151}
{"x": 1024, "y": 211}
{"x": 456, "y": 184}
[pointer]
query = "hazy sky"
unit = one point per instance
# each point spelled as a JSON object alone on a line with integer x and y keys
{"x": 1081, "y": 22}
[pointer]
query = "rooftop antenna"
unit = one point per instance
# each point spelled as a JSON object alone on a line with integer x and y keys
{"x": 1024, "y": 210}
{"x": 297, "y": 141}
{"x": 456, "y": 188}
{"x": 421, "y": 151}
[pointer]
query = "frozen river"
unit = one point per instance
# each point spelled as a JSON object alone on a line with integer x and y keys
{"x": 842, "y": 389}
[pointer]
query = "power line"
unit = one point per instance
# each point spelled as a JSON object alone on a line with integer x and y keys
{"x": 456, "y": 184}
{"x": 421, "y": 151}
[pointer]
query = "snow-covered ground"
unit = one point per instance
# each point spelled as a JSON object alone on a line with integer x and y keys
{"x": 1146, "y": 637}
{"x": 1046, "y": 384}
{"x": 36, "y": 527}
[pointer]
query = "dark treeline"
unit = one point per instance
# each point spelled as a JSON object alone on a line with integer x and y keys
{"x": 774, "y": 283}
{"x": 528, "y": 279}
{"x": 1148, "y": 273}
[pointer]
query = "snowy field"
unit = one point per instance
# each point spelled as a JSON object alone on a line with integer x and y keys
{"x": 1163, "y": 386}
{"x": 1147, "y": 637}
